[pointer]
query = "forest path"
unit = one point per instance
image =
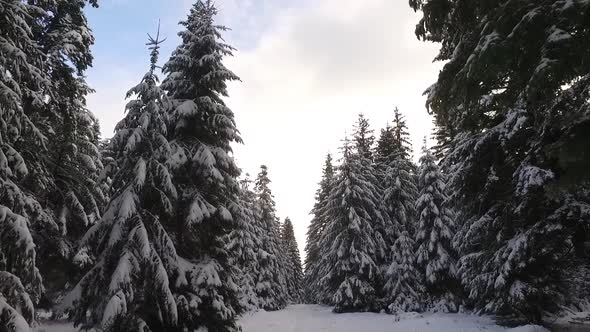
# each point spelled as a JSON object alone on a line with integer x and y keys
{"x": 315, "y": 318}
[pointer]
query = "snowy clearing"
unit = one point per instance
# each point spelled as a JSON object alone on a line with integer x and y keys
{"x": 315, "y": 318}
{"x": 311, "y": 318}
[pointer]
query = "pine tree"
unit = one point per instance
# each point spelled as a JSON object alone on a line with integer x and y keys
{"x": 245, "y": 242}
{"x": 514, "y": 90}
{"x": 62, "y": 172}
{"x": 313, "y": 292}
{"x": 401, "y": 134}
{"x": 133, "y": 259}
{"x": 271, "y": 285}
{"x": 396, "y": 174}
{"x": 295, "y": 275}
{"x": 363, "y": 137}
{"x": 350, "y": 243}
{"x": 23, "y": 86}
{"x": 386, "y": 146}
{"x": 436, "y": 256}
{"x": 404, "y": 285}
{"x": 398, "y": 178}
{"x": 201, "y": 131}
{"x": 394, "y": 142}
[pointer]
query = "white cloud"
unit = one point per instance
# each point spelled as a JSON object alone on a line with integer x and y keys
{"x": 312, "y": 71}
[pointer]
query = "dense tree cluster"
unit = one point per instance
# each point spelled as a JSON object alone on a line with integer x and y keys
{"x": 381, "y": 233}
{"x": 152, "y": 227}
{"x": 501, "y": 213}
{"x": 154, "y": 230}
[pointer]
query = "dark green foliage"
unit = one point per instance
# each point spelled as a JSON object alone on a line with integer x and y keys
{"x": 351, "y": 245}
{"x": 294, "y": 274}
{"x": 271, "y": 283}
{"x": 394, "y": 141}
{"x": 131, "y": 257}
{"x": 363, "y": 138}
{"x": 313, "y": 292}
{"x": 514, "y": 87}
{"x": 201, "y": 130}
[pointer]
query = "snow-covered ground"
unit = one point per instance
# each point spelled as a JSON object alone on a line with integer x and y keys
{"x": 313, "y": 318}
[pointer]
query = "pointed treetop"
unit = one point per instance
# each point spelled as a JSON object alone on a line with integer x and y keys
{"x": 363, "y": 137}
{"x": 425, "y": 148}
{"x": 346, "y": 147}
{"x": 154, "y": 45}
{"x": 328, "y": 166}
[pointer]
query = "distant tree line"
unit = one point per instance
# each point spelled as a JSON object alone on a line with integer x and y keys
{"x": 382, "y": 229}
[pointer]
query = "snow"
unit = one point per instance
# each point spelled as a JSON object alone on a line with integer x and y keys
{"x": 315, "y": 318}
{"x": 311, "y": 318}
{"x": 13, "y": 320}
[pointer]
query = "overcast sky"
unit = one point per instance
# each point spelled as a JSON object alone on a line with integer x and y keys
{"x": 307, "y": 68}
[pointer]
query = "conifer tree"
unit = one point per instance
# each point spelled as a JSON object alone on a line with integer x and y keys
{"x": 133, "y": 260}
{"x": 386, "y": 146}
{"x": 394, "y": 141}
{"x": 350, "y": 247}
{"x": 396, "y": 174}
{"x": 245, "y": 242}
{"x": 364, "y": 139}
{"x": 401, "y": 135}
{"x": 201, "y": 130}
{"x": 62, "y": 172}
{"x": 403, "y": 282}
{"x": 313, "y": 292}
{"x": 23, "y": 86}
{"x": 404, "y": 289}
{"x": 510, "y": 109}
{"x": 295, "y": 273}
{"x": 435, "y": 255}
{"x": 398, "y": 177}
{"x": 271, "y": 285}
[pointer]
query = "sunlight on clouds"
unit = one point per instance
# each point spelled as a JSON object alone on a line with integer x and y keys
{"x": 307, "y": 79}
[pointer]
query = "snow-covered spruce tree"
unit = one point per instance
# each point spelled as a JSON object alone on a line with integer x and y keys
{"x": 74, "y": 159}
{"x": 435, "y": 255}
{"x": 271, "y": 284}
{"x": 394, "y": 141}
{"x": 313, "y": 292}
{"x": 403, "y": 282}
{"x": 383, "y": 230}
{"x": 245, "y": 242}
{"x": 349, "y": 256}
{"x": 132, "y": 258}
{"x": 62, "y": 172}
{"x": 201, "y": 130}
{"x": 511, "y": 107}
{"x": 385, "y": 146}
{"x": 404, "y": 288}
{"x": 363, "y": 138}
{"x": 109, "y": 162}
{"x": 398, "y": 176}
{"x": 23, "y": 86}
{"x": 295, "y": 276}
